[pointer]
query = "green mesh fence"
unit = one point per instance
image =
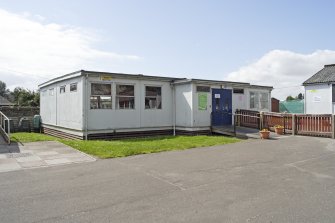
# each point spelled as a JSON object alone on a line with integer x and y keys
{"x": 295, "y": 106}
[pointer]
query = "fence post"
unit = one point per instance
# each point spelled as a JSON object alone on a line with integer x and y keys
{"x": 284, "y": 123}
{"x": 261, "y": 120}
{"x": 333, "y": 126}
{"x": 293, "y": 124}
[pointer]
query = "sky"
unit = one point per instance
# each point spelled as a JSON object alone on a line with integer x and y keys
{"x": 275, "y": 43}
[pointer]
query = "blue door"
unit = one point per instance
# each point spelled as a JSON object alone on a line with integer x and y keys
{"x": 221, "y": 107}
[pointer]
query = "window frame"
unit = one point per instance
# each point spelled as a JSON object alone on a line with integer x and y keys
{"x": 60, "y": 89}
{"x": 238, "y": 90}
{"x": 44, "y": 93}
{"x": 200, "y": 88}
{"x": 258, "y": 100}
{"x": 156, "y": 97}
{"x": 74, "y": 84}
{"x": 261, "y": 99}
{"x": 333, "y": 93}
{"x": 51, "y": 91}
{"x": 117, "y": 96}
{"x": 99, "y": 97}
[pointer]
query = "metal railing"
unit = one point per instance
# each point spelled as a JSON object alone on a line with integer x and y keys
{"x": 5, "y": 128}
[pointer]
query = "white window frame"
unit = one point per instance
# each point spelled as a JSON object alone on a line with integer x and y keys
{"x": 258, "y": 100}
{"x": 99, "y": 96}
{"x": 117, "y": 97}
{"x": 74, "y": 84}
{"x": 156, "y": 97}
{"x": 44, "y": 93}
{"x": 51, "y": 91}
{"x": 60, "y": 89}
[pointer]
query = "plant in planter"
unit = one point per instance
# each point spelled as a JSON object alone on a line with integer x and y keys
{"x": 264, "y": 133}
{"x": 279, "y": 129}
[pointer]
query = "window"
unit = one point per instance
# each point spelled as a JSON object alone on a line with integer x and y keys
{"x": 51, "y": 91}
{"x": 44, "y": 93}
{"x": 333, "y": 92}
{"x": 73, "y": 87}
{"x": 264, "y": 100}
{"x": 101, "y": 96}
{"x": 125, "y": 98}
{"x": 259, "y": 100}
{"x": 217, "y": 104}
{"x": 153, "y": 97}
{"x": 203, "y": 89}
{"x": 238, "y": 91}
{"x": 62, "y": 89}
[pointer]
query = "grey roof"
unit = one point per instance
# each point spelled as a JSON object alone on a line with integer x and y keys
{"x": 4, "y": 101}
{"x": 122, "y": 75}
{"x": 326, "y": 75}
{"x": 149, "y": 77}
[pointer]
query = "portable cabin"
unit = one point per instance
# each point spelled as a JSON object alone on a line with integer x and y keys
{"x": 101, "y": 105}
{"x": 320, "y": 91}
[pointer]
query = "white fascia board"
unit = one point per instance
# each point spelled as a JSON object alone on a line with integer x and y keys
{"x": 61, "y": 78}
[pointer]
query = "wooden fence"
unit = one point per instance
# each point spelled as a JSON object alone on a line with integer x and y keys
{"x": 315, "y": 125}
{"x": 297, "y": 124}
{"x": 247, "y": 118}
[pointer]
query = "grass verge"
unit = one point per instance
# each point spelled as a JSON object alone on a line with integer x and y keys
{"x": 128, "y": 147}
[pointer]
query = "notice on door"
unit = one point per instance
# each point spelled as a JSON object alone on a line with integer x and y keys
{"x": 202, "y": 101}
{"x": 217, "y": 95}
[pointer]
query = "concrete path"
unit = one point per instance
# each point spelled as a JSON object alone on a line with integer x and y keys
{"x": 250, "y": 133}
{"x": 38, "y": 154}
{"x": 281, "y": 180}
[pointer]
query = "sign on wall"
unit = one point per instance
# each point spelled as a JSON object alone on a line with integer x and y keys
{"x": 105, "y": 78}
{"x": 316, "y": 99}
{"x": 217, "y": 95}
{"x": 202, "y": 101}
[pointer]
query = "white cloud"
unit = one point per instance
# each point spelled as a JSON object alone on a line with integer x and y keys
{"x": 284, "y": 70}
{"x": 33, "y": 51}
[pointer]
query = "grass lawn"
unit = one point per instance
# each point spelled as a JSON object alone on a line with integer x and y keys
{"x": 128, "y": 147}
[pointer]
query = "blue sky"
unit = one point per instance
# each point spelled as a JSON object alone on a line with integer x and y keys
{"x": 233, "y": 40}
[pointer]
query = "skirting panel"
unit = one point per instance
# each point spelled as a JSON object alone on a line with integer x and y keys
{"x": 193, "y": 133}
{"x": 123, "y": 135}
{"x": 60, "y": 134}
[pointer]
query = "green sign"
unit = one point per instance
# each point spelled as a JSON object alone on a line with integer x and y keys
{"x": 202, "y": 101}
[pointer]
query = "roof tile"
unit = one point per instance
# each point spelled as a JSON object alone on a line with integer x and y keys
{"x": 326, "y": 75}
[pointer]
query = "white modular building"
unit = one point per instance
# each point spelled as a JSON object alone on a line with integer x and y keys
{"x": 320, "y": 91}
{"x": 102, "y": 105}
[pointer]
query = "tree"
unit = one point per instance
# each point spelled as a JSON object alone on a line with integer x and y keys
{"x": 25, "y": 97}
{"x": 300, "y": 96}
{"x": 289, "y": 98}
{"x": 4, "y": 92}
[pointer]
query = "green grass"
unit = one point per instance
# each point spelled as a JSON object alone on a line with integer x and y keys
{"x": 129, "y": 147}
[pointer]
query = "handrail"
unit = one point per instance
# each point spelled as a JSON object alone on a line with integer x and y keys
{"x": 251, "y": 116}
{"x": 5, "y": 134}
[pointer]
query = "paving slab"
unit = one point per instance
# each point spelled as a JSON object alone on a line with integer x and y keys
{"x": 9, "y": 166}
{"x": 57, "y": 161}
{"x": 39, "y": 154}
